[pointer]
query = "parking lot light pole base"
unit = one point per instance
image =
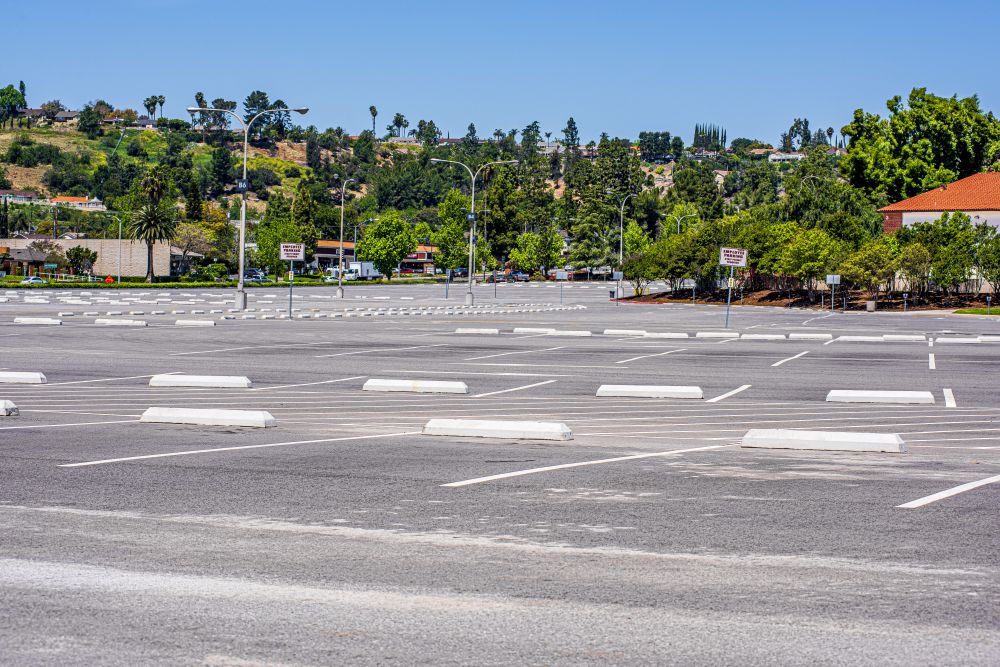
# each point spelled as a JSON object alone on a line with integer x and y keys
{"x": 469, "y": 299}
{"x": 241, "y": 298}
{"x": 340, "y": 292}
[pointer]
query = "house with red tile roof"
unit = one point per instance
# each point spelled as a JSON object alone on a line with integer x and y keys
{"x": 978, "y": 196}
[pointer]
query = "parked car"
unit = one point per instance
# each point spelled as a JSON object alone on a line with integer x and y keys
{"x": 519, "y": 276}
{"x": 34, "y": 280}
{"x": 459, "y": 273}
{"x": 499, "y": 277}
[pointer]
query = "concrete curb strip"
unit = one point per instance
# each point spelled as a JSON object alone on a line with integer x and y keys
{"x": 510, "y": 430}
{"x": 957, "y": 341}
{"x": 417, "y": 386}
{"x": 810, "y": 336}
{"x": 649, "y": 391}
{"x": 19, "y": 377}
{"x": 904, "y": 338}
{"x": 120, "y": 323}
{"x": 569, "y": 333}
{"x": 485, "y": 332}
{"x": 248, "y": 418}
{"x": 624, "y": 332}
{"x": 8, "y": 409}
{"x": 762, "y": 337}
{"x": 532, "y": 330}
{"x": 866, "y": 396}
{"x": 194, "y": 323}
{"x": 208, "y": 381}
{"x": 861, "y": 339}
{"x": 37, "y": 320}
{"x": 654, "y": 334}
{"x": 845, "y": 441}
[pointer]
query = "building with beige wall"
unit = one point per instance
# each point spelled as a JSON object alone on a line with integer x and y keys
{"x": 133, "y": 255}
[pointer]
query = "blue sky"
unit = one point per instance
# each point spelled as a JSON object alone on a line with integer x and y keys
{"x": 621, "y": 67}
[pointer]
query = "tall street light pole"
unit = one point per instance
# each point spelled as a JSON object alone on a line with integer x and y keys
{"x": 621, "y": 240}
{"x": 340, "y": 258}
{"x": 469, "y": 298}
{"x": 678, "y": 220}
{"x": 241, "y": 294}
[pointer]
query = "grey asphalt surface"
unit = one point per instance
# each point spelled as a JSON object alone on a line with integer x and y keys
{"x": 331, "y": 540}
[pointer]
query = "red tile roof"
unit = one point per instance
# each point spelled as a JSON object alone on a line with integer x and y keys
{"x": 979, "y": 192}
{"x": 70, "y": 200}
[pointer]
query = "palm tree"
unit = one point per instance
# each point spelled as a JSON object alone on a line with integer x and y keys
{"x": 161, "y": 100}
{"x": 548, "y": 135}
{"x": 150, "y": 104}
{"x": 374, "y": 112}
{"x": 829, "y": 135}
{"x": 151, "y": 223}
{"x": 397, "y": 122}
{"x": 405, "y": 125}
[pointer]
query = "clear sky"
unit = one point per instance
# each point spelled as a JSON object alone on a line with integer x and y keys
{"x": 620, "y": 67}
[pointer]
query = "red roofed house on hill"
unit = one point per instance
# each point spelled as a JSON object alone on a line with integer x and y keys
{"x": 978, "y": 196}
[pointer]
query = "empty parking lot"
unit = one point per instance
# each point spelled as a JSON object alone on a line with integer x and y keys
{"x": 344, "y": 532}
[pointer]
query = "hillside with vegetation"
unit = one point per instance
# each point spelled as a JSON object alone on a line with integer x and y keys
{"x": 676, "y": 201}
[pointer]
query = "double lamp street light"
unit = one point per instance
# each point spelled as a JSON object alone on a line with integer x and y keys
{"x": 469, "y": 298}
{"x": 241, "y": 295}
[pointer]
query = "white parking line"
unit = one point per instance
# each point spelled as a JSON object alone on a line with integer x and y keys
{"x": 503, "y": 354}
{"x": 469, "y": 363}
{"x": 131, "y": 377}
{"x": 647, "y": 356}
{"x": 800, "y": 354}
{"x": 251, "y": 347}
{"x": 381, "y": 349}
{"x": 954, "y": 491}
{"x": 949, "y": 398}
{"x": 308, "y": 384}
{"x": 729, "y": 393}
{"x": 504, "y": 391}
{"x": 14, "y": 428}
{"x": 931, "y": 363}
{"x": 531, "y": 471}
{"x": 232, "y": 449}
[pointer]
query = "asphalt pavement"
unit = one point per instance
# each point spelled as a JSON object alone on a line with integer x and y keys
{"x": 345, "y": 536}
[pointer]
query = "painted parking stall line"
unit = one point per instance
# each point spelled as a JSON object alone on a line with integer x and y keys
{"x": 191, "y": 452}
{"x": 784, "y": 361}
{"x": 565, "y": 466}
{"x": 729, "y": 393}
{"x": 506, "y": 391}
{"x": 948, "y": 493}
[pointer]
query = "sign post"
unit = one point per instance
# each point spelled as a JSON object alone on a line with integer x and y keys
{"x": 833, "y": 279}
{"x": 290, "y": 252}
{"x": 731, "y": 257}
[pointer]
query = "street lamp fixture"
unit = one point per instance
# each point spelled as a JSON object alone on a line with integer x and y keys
{"x": 241, "y": 294}
{"x": 469, "y": 298}
{"x": 340, "y": 258}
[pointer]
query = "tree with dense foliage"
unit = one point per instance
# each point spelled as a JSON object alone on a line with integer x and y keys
{"x": 89, "y": 121}
{"x": 387, "y": 241}
{"x": 655, "y": 146}
{"x": 924, "y": 143}
{"x": 812, "y": 253}
{"x": 873, "y": 265}
{"x": 190, "y": 238}
{"x": 11, "y": 102}
{"x": 80, "y": 259}
{"x": 695, "y": 184}
{"x": 451, "y": 236}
